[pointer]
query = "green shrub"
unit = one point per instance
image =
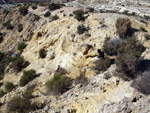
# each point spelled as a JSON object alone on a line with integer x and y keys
{"x": 79, "y": 15}
{"x": 54, "y": 6}
{"x": 34, "y": 7}
{"x": 110, "y": 47}
{"x": 9, "y": 26}
{"x": 47, "y": 14}
{"x": 55, "y": 17}
{"x": 23, "y": 10}
{"x": 141, "y": 83}
{"x": 91, "y": 10}
{"x": 36, "y": 17}
{"x": 86, "y": 12}
{"x": 20, "y": 27}
{"x": 128, "y": 58}
{"x": 58, "y": 84}
{"x": 146, "y": 36}
{"x": 1, "y": 37}
{"x": 70, "y": 14}
{"x": 21, "y": 46}
{"x": 123, "y": 26}
{"x": 27, "y": 77}
{"x": 9, "y": 86}
{"x": 100, "y": 22}
{"x": 43, "y": 4}
{"x": 102, "y": 64}
{"x": 20, "y": 104}
{"x": 125, "y": 12}
{"x": 17, "y": 63}
{"x": 1, "y": 55}
{"x": 102, "y": 11}
{"x": 6, "y": 23}
{"x": 133, "y": 13}
{"x": 81, "y": 29}
{"x": 5, "y": 11}
{"x": 143, "y": 29}
{"x": 42, "y": 53}
{"x": 2, "y": 92}
{"x": 61, "y": 11}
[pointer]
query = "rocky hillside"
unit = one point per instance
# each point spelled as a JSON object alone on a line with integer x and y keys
{"x": 47, "y": 40}
{"x": 114, "y": 1}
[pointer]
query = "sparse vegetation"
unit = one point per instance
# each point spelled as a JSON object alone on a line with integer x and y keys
{"x": 55, "y": 17}
{"x": 21, "y": 104}
{"x": 141, "y": 83}
{"x": 17, "y": 63}
{"x": 123, "y": 26}
{"x": 81, "y": 29}
{"x": 128, "y": 58}
{"x": 70, "y": 14}
{"x": 21, "y": 46}
{"x": 58, "y": 84}
{"x": 91, "y": 10}
{"x": 8, "y": 25}
{"x": 20, "y": 27}
{"x": 54, "y": 6}
{"x": 79, "y": 15}
{"x": 102, "y": 64}
{"x": 147, "y": 36}
{"x": 43, "y": 4}
{"x": 47, "y": 14}
{"x": 125, "y": 12}
{"x": 23, "y": 10}
{"x": 34, "y": 7}
{"x": 1, "y": 55}
{"x": 143, "y": 29}
{"x": 42, "y": 53}
{"x": 110, "y": 47}
{"x": 1, "y": 37}
{"x": 2, "y": 92}
{"x": 36, "y": 17}
{"x": 9, "y": 86}
{"x": 27, "y": 77}
{"x": 100, "y": 22}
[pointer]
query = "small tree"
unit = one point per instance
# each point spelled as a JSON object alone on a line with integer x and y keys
{"x": 9, "y": 86}
{"x": 128, "y": 58}
{"x": 110, "y": 47}
{"x": 79, "y": 15}
{"x": 123, "y": 26}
